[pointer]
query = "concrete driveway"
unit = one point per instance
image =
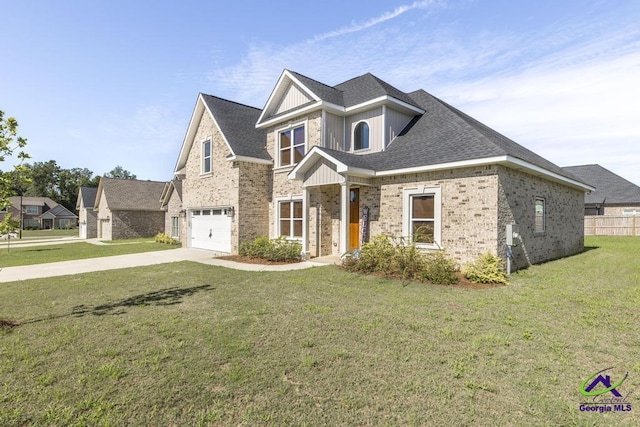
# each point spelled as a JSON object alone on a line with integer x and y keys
{"x": 39, "y": 271}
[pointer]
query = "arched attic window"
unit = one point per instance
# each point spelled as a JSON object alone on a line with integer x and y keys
{"x": 361, "y": 136}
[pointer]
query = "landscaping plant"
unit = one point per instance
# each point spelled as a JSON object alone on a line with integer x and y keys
{"x": 486, "y": 269}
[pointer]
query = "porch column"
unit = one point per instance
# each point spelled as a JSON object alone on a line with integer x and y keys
{"x": 344, "y": 216}
{"x": 305, "y": 222}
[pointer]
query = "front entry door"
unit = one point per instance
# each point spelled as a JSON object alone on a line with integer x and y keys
{"x": 354, "y": 219}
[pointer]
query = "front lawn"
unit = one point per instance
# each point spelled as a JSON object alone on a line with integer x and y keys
{"x": 69, "y": 251}
{"x": 48, "y": 234}
{"x": 191, "y": 344}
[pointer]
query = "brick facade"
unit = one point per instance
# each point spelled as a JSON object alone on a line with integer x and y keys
{"x": 564, "y": 210}
{"x": 88, "y": 217}
{"x": 173, "y": 208}
{"x": 477, "y": 202}
{"x": 134, "y": 224}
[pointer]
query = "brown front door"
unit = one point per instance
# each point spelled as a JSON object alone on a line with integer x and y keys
{"x": 354, "y": 219}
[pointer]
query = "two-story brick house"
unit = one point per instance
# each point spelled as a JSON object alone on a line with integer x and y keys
{"x": 331, "y": 165}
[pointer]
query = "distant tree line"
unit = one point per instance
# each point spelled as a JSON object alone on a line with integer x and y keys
{"x": 48, "y": 179}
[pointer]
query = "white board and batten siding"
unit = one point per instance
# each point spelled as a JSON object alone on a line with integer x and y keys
{"x": 210, "y": 228}
{"x": 375, "y": 120}
{"x": 396, "y": 122}
{"x": 293, "y": 98}
{"x": 337, "y": 129}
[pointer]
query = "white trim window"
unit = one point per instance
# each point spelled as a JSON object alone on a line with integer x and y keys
{"x": 292, "y": 145}
{"x": 206, "y": 156}
{"x": 422, "y": 216}
{"x": 289, "y": 219}
{"x": 175, "y": 227}
{"x": 31, "y": 210}
{"x": 540, "y": 215}
{"x": 361, "y": 136}
{"x": 631, "y": 212}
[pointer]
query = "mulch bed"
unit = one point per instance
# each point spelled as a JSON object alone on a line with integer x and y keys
{"x": 463, "y": 282}
{"x": 250, "y": 260}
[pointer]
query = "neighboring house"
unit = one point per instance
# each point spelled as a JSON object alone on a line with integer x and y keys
{"x": 171, "y": 202}
{"x": 128, "y": 208}
{"x": 330, "y": 166}
{"x": 87, "y": 216}
{"x": 613, "y": 195}
{"x": 39, "y": 212}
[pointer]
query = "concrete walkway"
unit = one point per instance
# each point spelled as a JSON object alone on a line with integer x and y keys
{"x": 39, "y": 271}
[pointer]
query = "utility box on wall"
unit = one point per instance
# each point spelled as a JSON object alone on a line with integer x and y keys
{"x": 513, "y": 234}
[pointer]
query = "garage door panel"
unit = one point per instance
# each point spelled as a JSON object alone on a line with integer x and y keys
{"x": 211, "y": 229}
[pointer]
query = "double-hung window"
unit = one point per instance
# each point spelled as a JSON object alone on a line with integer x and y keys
{"x": 422, "y": 216}
{"x": 206, "y": 156}
{"x": 290, "y": 219}
{"x": 291, "y": 146}
{"x": 540, "y": 215}
{"x": 31, "y": 210}
{"x": 175, "y": 227}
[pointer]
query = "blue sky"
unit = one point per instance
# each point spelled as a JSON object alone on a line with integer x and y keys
{"x": 100, "y": 84}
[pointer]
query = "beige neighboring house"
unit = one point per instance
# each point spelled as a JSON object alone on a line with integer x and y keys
{"x": 613, "y": 195}
{"x": 87, "y": 218}
{"x": 39, "y": 213}
{"x": 128, "y": 208}
{"x": 171, "y": 202}
{"x": 330, "y": 166}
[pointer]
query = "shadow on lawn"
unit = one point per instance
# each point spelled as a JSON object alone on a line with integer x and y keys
{"x": 169, "y": 296}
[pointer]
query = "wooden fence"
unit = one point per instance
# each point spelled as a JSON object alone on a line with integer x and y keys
{"x": 612, "y": 225}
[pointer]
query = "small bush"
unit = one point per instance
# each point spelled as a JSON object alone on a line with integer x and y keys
{"x": 383, "y": 256}
{"x": 277, "y": 250}
{"x": 377, "y": 256}
{"x": 165, "y": 238}
{"x": 439, "y": 269}
{"x": 486, "y": 269}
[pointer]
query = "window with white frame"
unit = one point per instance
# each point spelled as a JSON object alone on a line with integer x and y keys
{"x": 631, "y": 212}
{"x": 175, "y": 229}
{"x": 206, "y": 156}
{"x": 31, "y": 210}
{"x": 291, "y": 145}
{"x": 539, "y": 221}
{"x": 361, "y": 136}
{"x": 422, "y": 216}
{"x": 290, "y": 218}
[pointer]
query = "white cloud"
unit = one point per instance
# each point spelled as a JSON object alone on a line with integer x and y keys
{"x": 375, "y": 21}
{"x": 568, "y": 91}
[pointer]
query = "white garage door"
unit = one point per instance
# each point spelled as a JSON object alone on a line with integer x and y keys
{"x": 211, "y": 229}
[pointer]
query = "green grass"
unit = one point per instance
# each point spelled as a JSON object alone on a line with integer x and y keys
{"x": 48, "y": 234}
{"x": 190, "y": 344}
{"x": 69, "y": 251}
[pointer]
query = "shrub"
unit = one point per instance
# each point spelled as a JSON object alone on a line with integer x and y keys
{"x": 486, "y": 269}
{"x": 276, "y": 250}
{"x": 383, "y": 256}
{"x": 439, "y": 269}
{"x": 165, "y": 238}
{"x": 377, "y": 256}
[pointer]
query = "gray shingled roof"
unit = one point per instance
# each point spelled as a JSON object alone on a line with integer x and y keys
{"x": 237, "y": 123}
{"x": 354, "y": 91}
{"x": 88, "y": 195}
{"x": 610, "y": 188}
{"x": 60, "y": 211}
{"x": 132, "y": 194}
{"x": 444, "y": 134}
{"x": 367, "y": 87}
{"x": 32, "y": 201}
{"x": 325, "y": 92}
